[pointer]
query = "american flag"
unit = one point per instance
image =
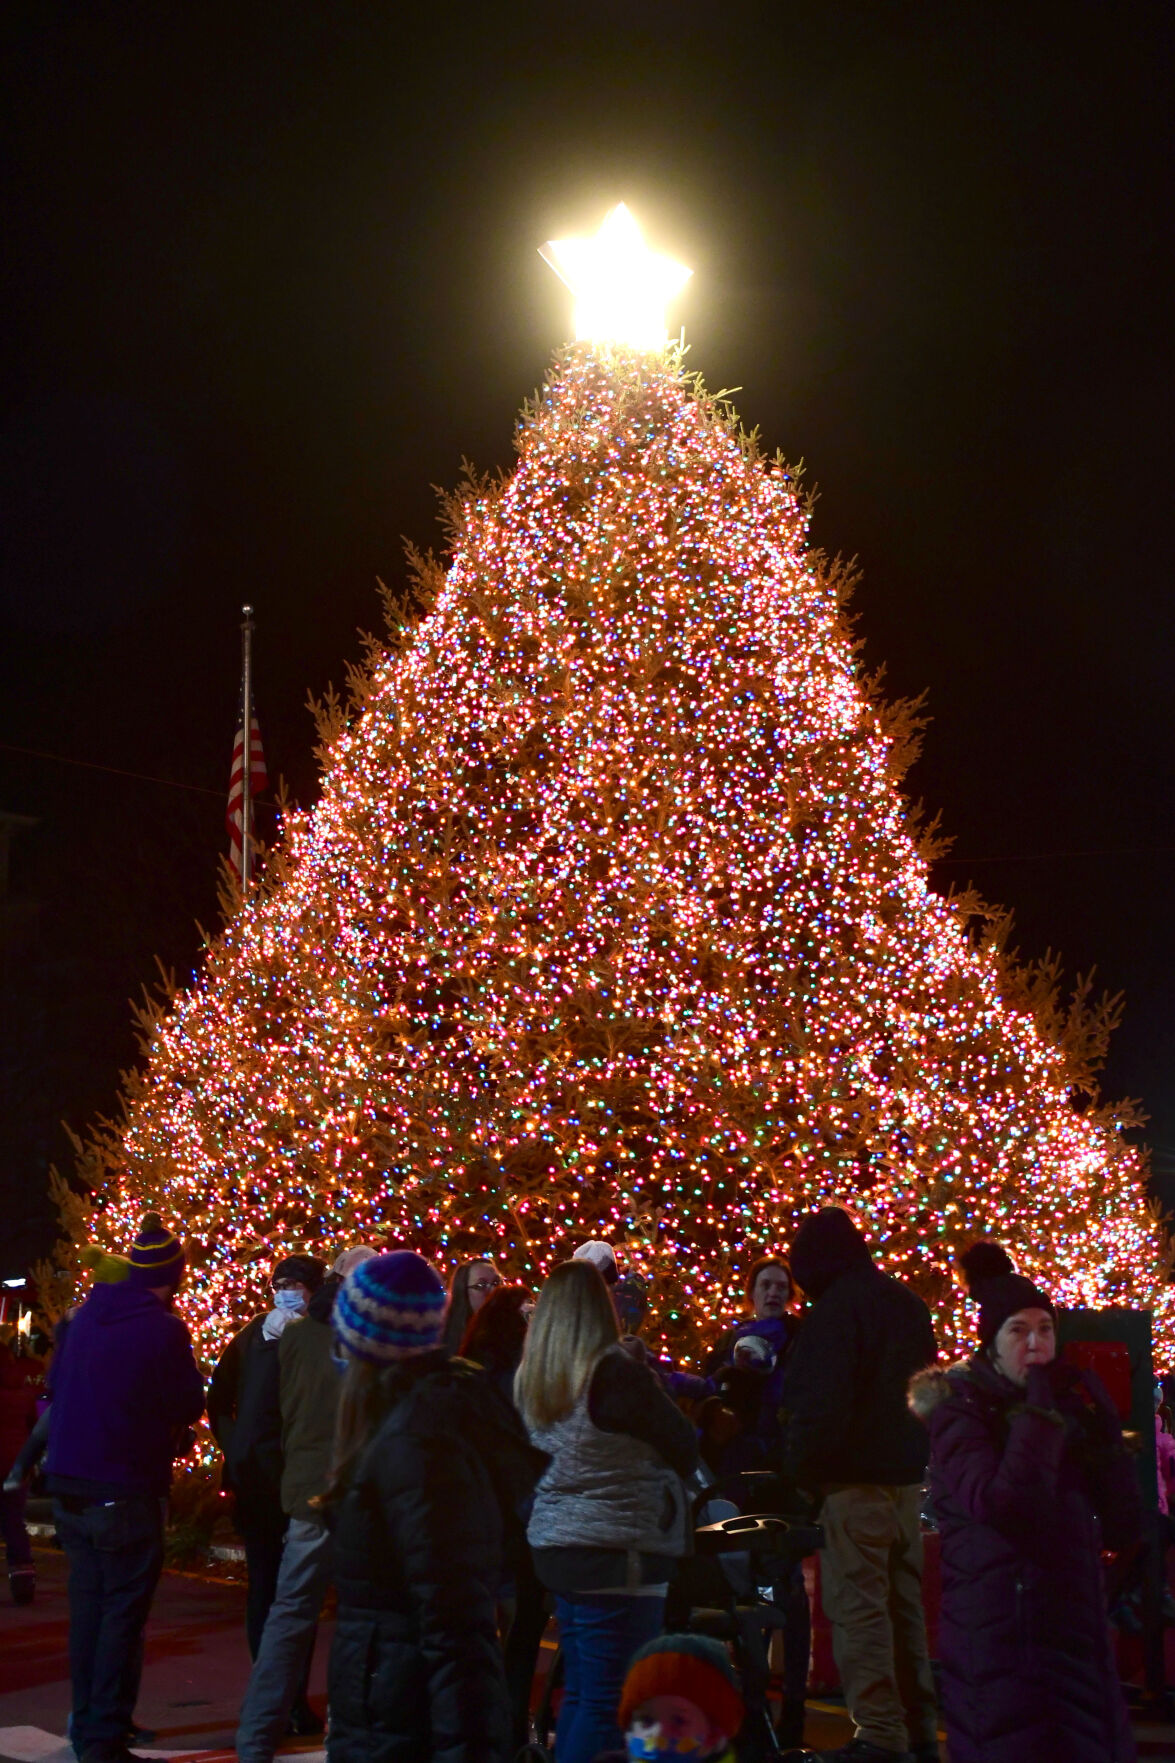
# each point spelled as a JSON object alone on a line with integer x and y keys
{"x": 258, "y": 781}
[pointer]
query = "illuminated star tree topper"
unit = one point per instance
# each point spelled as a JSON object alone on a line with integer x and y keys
{"x": 621, "y": 288}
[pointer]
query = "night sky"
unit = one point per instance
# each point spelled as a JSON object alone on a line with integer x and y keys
{"x": 269, "y": 275}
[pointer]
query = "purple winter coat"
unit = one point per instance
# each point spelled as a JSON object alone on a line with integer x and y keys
{"x": 1026, "y": 1498}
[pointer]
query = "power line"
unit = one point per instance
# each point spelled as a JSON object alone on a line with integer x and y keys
{"x": 144, "y": 777}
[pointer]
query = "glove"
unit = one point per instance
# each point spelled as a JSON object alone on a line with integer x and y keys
{"x": 1040, "y": 1392}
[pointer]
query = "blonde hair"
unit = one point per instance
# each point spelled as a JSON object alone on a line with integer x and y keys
{"x": 573, "y": 1324}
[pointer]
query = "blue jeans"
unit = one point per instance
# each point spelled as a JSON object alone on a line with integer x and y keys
{"x": 599, "y": 1632}
{"x": 115, "y": 1553}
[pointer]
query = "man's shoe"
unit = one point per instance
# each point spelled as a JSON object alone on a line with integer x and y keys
{"x": 861, "y": 1751}
{"x": 303, "y": 1723}
{"x": 109, "y": 1751}
{"x": 141, "y": 1735}
{"x": 928, "y": 1753}
{"x": 22, "y": 1583}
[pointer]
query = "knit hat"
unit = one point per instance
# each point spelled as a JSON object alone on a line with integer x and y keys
{"x": 688, "y": 1665}
{"x": 764, "y": 1338}
{"x": 350, "y": 1259}
{"x": 107, "y": 1269}
{"x": 630, "y": 1300}
{"x": 156, "y": 1258}
{"x": 308, "y": 1270}
{"x": 826, "y": 1245}
{"x": 602, "y": 1257}
{"x": 390, "y": 1308}
{"x": 998, "y": 1289}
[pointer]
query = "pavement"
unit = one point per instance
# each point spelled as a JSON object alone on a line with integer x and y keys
{"x": 195, "y": 1671}
{"x": 194, "y": 1674}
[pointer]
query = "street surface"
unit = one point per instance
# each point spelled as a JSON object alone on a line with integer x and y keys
{"x": 197, "y": 1666}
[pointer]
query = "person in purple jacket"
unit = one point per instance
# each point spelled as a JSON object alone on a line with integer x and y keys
{"x": 1030, "y": 1481}
{"x": 125, "y": 1392}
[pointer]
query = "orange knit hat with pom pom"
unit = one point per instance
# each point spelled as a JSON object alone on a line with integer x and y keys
{"x": 688, "y": 1665}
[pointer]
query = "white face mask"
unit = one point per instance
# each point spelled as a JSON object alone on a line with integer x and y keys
{"x": 289, "y": 1301}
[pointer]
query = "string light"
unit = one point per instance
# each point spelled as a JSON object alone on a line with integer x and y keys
{"x": 612, "y": 921}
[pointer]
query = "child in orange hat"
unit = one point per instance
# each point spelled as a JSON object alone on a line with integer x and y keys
{"x": 680, "y": 1699}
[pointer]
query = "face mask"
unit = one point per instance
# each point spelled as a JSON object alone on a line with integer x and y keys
{"x": 650, "y": 1747}
{"x": 289, "y": 1301}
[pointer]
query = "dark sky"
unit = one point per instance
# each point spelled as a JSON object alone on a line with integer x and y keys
{"x": 269, "y": 275}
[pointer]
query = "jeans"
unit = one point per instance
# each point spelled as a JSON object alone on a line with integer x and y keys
{"x": 16, "y": 1538}
{"x": 871, "y": 1581}
{"x": 283, "y": 1658}
{"x": 599, "y": 1632}
{"x": 115, "y": 1554}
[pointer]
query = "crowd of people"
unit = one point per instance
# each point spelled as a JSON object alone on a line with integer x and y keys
{"x": 464, "y": 1465}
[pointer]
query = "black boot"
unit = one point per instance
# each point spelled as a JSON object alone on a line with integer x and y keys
{"x": 23, "y": 1584}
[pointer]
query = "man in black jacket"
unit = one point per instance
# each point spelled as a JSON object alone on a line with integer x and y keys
{"x": 244, "y": 1411}
{"x": 851, "y": 1437}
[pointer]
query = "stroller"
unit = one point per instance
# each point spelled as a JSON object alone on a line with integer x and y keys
{"x": 745, "y": 1541}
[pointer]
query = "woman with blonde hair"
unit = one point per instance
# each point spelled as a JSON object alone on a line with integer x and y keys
{"x": 609, "y": 1517}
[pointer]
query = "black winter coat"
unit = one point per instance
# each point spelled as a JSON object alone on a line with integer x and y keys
{"x": 1025, "y": 1498}
{"x": 422, "y": 1532}
{"x": 244, "y": 1412}
{"x": 844, "y": 1389}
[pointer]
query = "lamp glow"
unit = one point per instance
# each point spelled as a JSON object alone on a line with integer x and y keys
{"x": 621, "y": 288}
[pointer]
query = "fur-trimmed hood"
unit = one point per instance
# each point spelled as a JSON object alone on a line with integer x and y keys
{"x": 931, "y": 1387}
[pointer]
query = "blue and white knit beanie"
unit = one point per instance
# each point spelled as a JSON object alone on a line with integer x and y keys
{"x": 392, "y": 1307}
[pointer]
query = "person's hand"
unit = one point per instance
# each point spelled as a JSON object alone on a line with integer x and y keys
{"x": 1040, "y": 1392}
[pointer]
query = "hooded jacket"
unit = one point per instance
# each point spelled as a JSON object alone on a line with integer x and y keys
{"x": 125, "y": 1387}
{"x": 1026, "y": 1494}
{"x": 845, "y": 1383}
{"x": 422, "y": 1534}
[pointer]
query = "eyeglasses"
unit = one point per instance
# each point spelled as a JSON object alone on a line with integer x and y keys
{"x": 286, "y": 1285}
{"x": 484, "y": 1285}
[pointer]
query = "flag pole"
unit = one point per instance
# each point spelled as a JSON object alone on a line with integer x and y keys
{"x": 247, "y": 778}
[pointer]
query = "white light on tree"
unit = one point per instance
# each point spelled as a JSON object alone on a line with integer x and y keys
{"x": 621, "y": 288}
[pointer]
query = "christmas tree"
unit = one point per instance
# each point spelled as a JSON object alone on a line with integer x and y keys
{"x": 612, "y": 920}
